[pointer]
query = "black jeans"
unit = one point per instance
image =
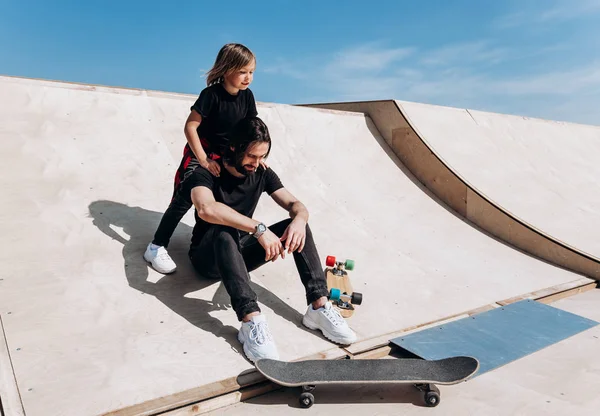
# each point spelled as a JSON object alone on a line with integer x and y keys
{"x": 179, "y": 205}
{"x": 224, "y": 254}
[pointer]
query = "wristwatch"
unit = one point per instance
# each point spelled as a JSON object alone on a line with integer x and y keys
{"x": 259, "y": 230}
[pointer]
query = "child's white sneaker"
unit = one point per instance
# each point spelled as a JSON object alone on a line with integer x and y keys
{"x": 257, "y": 340}
{"x": 160, "y": 260}
{"x": 328, "y": 320}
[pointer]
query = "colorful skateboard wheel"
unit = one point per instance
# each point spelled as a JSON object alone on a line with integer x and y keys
{"x": 330, "y": 261}
{"x": 349, "y": 265}
{"x": 335, "y": 294}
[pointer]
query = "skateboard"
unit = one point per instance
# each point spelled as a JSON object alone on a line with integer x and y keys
{"x": 341, "y": 294}
{"x": 423, "y": 374}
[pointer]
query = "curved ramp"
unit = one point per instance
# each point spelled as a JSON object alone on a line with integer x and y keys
{"x": 542, "y": 172}
{"x": 530, "y": 182}
{"x": 89, "y": 329}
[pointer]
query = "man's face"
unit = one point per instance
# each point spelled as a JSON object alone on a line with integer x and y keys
{"x": 255, "y": 154}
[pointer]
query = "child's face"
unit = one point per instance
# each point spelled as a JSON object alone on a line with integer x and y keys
{"x": 242, "y": 78}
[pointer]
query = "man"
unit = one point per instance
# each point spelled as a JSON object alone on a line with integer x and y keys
{"x": 227, "y": 243}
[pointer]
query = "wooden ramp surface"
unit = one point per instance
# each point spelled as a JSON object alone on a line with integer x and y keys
{"x": 86, "y": 173}
{"x": 543, "y": 172}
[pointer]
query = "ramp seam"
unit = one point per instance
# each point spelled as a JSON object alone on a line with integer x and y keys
{"x": 5, "y": 348}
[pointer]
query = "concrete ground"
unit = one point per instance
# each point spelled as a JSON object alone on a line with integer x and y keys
{"x": 557, "y": 380}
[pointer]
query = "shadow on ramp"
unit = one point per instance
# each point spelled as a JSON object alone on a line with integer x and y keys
{"x": 139, "y": 224}
{"x": 345, "y": 395}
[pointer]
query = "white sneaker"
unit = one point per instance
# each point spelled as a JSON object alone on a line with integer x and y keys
{"x": 329, "y": 321}
{"x": 160, "y": 260}
{"x": 257, "y": 340}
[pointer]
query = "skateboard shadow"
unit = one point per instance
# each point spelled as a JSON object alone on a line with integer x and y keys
{"x": 140, "y": 224}
{"x": 348, "y": 394}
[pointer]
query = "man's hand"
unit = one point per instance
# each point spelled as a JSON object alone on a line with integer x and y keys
{"x": 211, "y": 166}
{"x": 272, "y": 245}
{"x": 295, "y": 235}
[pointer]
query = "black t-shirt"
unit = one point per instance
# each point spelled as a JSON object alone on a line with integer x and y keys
{"x": 240, "y": 194}
{"x": 221, "y": 111}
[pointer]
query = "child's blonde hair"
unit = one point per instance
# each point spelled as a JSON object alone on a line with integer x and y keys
{"x": 231, "y": 57}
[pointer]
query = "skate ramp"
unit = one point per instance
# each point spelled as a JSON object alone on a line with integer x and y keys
{"x": 542, "y": 172}
{"x": 528, "y": 182}
{"x": 89, "y": 329}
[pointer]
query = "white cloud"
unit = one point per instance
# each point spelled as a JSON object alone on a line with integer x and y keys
{"x": 574, "y": 81}
{"x": 479, "y": 51}
{"x": 285, "y": 68}
{"x": 531, "y": 81}
{"x": 368, "y": 57}
{"x": 561, "y": 10}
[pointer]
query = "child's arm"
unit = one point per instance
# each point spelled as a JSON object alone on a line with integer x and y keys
{"x": 191, "y": 134}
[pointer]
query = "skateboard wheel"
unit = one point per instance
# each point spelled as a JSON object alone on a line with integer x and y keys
{"x": 432, "y": 398}
{"x": 306, "y": 400}
{"x": 330, "y": 261}
{"x": 356, "y": 298}
{"x": 349, "y": 265}
{"x": 334, "y": 294}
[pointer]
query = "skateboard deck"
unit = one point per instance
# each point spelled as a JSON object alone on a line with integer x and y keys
{"x": 423, "y": 374}
{"x": 340, "y": 288}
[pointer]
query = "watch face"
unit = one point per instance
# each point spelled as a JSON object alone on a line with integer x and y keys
{"x": 262, "y": 228}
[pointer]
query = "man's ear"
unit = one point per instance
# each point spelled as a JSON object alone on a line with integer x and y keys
{"x": 232, "y": 148}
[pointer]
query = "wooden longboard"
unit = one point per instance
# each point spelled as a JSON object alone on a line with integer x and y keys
{"x": 338, "y": 280}
{"x": 423, "y": 373}
{"x": 343, "y": 284}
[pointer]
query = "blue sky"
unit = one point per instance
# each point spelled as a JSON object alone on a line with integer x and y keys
{"x": 532, "y": 58}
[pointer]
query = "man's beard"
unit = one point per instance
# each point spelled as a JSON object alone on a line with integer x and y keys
{"x": 234, "y": 159}
{"x": 241, "y": 169}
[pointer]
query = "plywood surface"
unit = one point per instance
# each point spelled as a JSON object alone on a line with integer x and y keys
{"x": 88, "y": 172}
{"x": 555, "y": 381}
{"x": 542, "y": 172}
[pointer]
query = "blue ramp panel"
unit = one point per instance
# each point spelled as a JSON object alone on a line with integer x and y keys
{"x": 497, "y": 337}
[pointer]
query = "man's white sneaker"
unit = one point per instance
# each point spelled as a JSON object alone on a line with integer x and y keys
{"x": 257, "y": 340}
{"x": 329, "y": 321}
{"x": 160, "y": 260}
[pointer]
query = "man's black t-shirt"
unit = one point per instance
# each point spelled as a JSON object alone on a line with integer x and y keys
{"x": 240, "y": 194}
{"x": 221, "y": 111}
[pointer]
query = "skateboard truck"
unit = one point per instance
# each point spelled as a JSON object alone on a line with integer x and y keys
{"x": 344, "y": 300}
{"x": 431, "y": 395}
{"x": 339, "y": 267}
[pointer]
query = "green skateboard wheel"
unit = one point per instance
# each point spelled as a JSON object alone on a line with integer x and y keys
{"x": 349, "y": 265}
{"x": 334, "y": 294}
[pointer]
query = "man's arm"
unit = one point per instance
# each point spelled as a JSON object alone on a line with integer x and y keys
{"x": 295, "y": 235}
{"x": 217, "y": 213}
{"x": 291, "y": 204}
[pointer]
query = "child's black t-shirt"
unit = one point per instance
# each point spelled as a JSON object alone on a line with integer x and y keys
{"x": 221, "y": 111}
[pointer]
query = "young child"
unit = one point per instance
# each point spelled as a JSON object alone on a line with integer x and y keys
{"x": 225, "y": 101}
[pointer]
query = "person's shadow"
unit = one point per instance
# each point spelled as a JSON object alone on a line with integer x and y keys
{"x": 139, "y": 225}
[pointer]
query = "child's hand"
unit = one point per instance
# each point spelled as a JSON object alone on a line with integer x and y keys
{"x": 211, "y": 166}
{"x": 264, "y": 165}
